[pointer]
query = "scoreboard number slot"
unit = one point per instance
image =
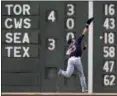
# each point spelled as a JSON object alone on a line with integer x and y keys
{"x": 52, "y": 16}
{"x": 109, "y": 38}
{"x": 109, "y": 66}
{"x": 70, "y": 23}
{"x": 71, "y": 10}
{"x": 70, "y": 35}
{"x": 109, "y": 80}
{"x": 109, "y": 9}
{"x": 109, "y": 23}
{"x": 109, "y": 51}
{"x": 51, "y": 44}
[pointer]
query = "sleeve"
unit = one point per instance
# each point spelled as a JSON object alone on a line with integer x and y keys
{"x": 79, "y": 40}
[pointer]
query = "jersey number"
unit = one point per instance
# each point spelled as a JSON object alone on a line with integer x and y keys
{"x": 72, "y": 49}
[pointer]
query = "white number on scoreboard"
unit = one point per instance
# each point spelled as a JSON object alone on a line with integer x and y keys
{"x": 70, "y": 35}
{"x": 52, "y": 44}
{"x": 109, "y": 23}
{"x": 71, "y": 10}
{"x": 109, "y": 80}
{"x": 52, "y": 16}
{"x": 109, "y": 38}
{"x": 70, "y": 23}
{"x": 109, "y": 9}
{"x": 109, "y": 51}
{"x": 109, "y": 66}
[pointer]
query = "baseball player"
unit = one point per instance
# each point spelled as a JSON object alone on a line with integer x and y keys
{"x": 75, "y": 51}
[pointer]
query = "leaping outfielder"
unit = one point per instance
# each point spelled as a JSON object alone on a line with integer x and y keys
{"x": 75, "y": 51}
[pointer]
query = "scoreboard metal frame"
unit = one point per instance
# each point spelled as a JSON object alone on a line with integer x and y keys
{"x": 102, "y": 35}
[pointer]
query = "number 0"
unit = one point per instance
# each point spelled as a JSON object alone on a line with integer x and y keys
{"x": 70, "y": 23}
{"x": 70, "y": 35}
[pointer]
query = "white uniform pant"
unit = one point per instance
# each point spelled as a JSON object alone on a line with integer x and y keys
{"x": 75, "y": 62}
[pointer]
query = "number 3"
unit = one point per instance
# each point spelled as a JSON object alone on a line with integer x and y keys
{"x": 71, "y": 9}
{"x": 51, "y": 45}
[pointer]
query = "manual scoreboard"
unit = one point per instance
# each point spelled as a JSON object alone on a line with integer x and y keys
{"x": 34, "y": 42}
{"x": 105, "y": 47}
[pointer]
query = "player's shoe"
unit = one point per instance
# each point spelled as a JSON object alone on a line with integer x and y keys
{"x": 84, "y": 90}
{"x": 59, "y": 72}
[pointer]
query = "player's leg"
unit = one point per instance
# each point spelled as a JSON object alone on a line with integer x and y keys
{"x": 81, "y": 74}
{"x": 69, "y": 70}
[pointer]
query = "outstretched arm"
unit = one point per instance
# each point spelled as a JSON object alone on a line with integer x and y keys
{"x": 85, "y": 29}
{"x": 87, "y": 25}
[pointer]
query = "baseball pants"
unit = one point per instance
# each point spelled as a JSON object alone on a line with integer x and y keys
{"x": 72, "y": 63}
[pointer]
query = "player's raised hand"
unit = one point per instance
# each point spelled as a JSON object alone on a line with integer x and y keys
{"x": 89, "y": 21}
{"x": 87, "y": 25}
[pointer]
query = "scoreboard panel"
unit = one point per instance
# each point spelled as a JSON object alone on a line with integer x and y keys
{"x": 34, "y": 42}
{"x": 21, "y": 46}
{"x": 35, "y": 34}
{"x": 56, "y": 34}
{"x": 105, "y": 47}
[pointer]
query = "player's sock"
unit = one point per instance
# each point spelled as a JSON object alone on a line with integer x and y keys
{"x": 89, "y": 21}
